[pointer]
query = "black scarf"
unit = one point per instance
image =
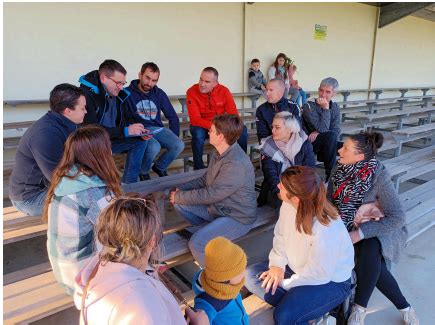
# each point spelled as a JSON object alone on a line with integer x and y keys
{"x": 349, "y": 185}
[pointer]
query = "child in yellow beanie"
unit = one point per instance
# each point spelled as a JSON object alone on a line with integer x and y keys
{"x": 217, "y": 286}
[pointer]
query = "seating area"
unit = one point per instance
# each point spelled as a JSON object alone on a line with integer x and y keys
{"x": 32, "y": 294}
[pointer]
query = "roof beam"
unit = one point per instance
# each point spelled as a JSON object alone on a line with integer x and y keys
{"x": 398, "y": 10}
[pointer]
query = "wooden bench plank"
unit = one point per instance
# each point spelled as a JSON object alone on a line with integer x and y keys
{"x": 414, "y": 130}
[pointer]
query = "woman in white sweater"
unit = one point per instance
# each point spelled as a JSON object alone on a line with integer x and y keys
{"x": 310, "y": 264}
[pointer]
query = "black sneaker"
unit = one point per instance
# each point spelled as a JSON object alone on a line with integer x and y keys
{"x": 161, "y": 173}
{"x": 144, "y": 177}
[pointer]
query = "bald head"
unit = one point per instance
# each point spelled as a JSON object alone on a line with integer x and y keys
{"x": 275, "y": 90}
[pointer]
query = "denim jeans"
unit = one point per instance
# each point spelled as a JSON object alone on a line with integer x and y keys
{"x": 164, "y": 139}
{"x": 302, "y": 96}
{"x": 199, "y": 135}
{"x": 135, "y": 148}
{"x": 33, "y": 206}
{"x": 299, "y": 304}
{"x": 207, "y": 227}
{"x": 325, "y": 147}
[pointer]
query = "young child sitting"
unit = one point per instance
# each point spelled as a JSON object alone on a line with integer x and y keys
{"x": 217, "y": 286}
{"x": 256, "y": 80}
{"x": 295, "y": 85}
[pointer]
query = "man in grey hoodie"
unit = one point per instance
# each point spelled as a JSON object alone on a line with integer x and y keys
{"x": 223, "y": 200}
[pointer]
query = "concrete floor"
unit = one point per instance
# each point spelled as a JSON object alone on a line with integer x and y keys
{"x": 414, "y": 273}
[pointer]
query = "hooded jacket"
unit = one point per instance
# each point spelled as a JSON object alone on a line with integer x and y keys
{"x": 121, "y": 294}
{"x": 97, "y": 106}
{"x": 39, "y": 151}
{"x": 150, "y": 105}
{"x": 228, "y": 187}
{"x": 266, "y": 111}
{"x": 203, "y": 107}
{"x": 219, "y": 312}
{"x": 72, "y": 215}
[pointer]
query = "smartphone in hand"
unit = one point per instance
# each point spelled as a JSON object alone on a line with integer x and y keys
{"x": 153, "y": 132}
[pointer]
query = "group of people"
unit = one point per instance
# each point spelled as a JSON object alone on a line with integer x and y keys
{"x": 282, "y": 68}
{"x": 104, "y": 246}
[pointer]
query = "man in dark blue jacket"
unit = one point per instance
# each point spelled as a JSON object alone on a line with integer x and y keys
{"x": 106, "y": 103}
{"x": 41, "y": 148}
{"x": 150, "y": 101}
{"x": 275, "y": 103}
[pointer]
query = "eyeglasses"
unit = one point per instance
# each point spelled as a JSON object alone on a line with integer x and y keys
{"x": 118, "y": 83}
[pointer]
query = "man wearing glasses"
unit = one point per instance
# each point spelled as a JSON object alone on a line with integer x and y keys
{"x": 107, "y": 106}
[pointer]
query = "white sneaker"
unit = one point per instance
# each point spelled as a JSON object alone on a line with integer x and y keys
{"x": 357, "y": 315}
{"x": 409, "y": 316}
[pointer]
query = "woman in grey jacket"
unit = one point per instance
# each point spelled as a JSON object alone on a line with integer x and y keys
{"x": 362, "y": 191}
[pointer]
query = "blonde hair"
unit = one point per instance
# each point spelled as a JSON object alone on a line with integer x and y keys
{"x": 290, "y": 122}
{"x": 128, "y": 228}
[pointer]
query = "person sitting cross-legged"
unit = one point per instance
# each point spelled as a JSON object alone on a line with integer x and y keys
{"x": 223, "y": 199}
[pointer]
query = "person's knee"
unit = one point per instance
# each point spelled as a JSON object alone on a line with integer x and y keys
{"x": 283, "y": 315}
{"x": 330, "y": 136}
{"x": 178, "y": 145}
{"x": 197, "y": 248}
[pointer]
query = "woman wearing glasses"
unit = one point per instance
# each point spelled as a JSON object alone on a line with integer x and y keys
{"x": 83, "y": 184}
{"x": 309, "y": 267}
{"x": 287, "y": 146}
{"x": 121, "y": 285}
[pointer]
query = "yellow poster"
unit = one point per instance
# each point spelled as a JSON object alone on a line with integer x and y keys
{"x": 320, "y": 32}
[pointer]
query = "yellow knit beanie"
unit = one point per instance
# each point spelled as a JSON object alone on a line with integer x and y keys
{"x": 223, "y": 261}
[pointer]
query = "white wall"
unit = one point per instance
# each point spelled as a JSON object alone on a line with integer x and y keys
{"x": 49, "y": 43}
{"x": 289, "y": 28}
{"x": 405, "y": 54}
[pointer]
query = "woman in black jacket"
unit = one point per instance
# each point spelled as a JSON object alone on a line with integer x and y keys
{"x": 287, "y": 146}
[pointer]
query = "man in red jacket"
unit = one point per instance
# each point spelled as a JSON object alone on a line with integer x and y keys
{"x": 205, "y": 100}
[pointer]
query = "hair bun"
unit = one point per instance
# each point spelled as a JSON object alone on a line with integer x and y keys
{"x": 376, "y": 139}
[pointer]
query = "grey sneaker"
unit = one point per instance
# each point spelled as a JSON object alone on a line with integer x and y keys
{"x": 410, "y": 317}
{"x": 357, "y": 316}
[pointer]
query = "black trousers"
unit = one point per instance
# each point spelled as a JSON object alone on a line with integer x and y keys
{"x": 325, "y": 147}
{"x": 371, "y": 271}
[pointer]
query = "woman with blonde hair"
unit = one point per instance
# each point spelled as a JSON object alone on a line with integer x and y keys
{"x": 121, "y": 285}
{"x": 83, "y": 184}
{"x": 287, "y": 146}
{"x": 310, "y": 264}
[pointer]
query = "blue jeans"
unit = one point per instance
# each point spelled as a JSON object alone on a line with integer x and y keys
{"x": 303, "y": 96}
{"x": 164, "y": 139}
{"x": 32, "y": 207}
{"x": 135, "y": 148}
{"x": 299, "y": 304}
{"x": 199, "y": 135}
{"x": 206, "y": 227}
